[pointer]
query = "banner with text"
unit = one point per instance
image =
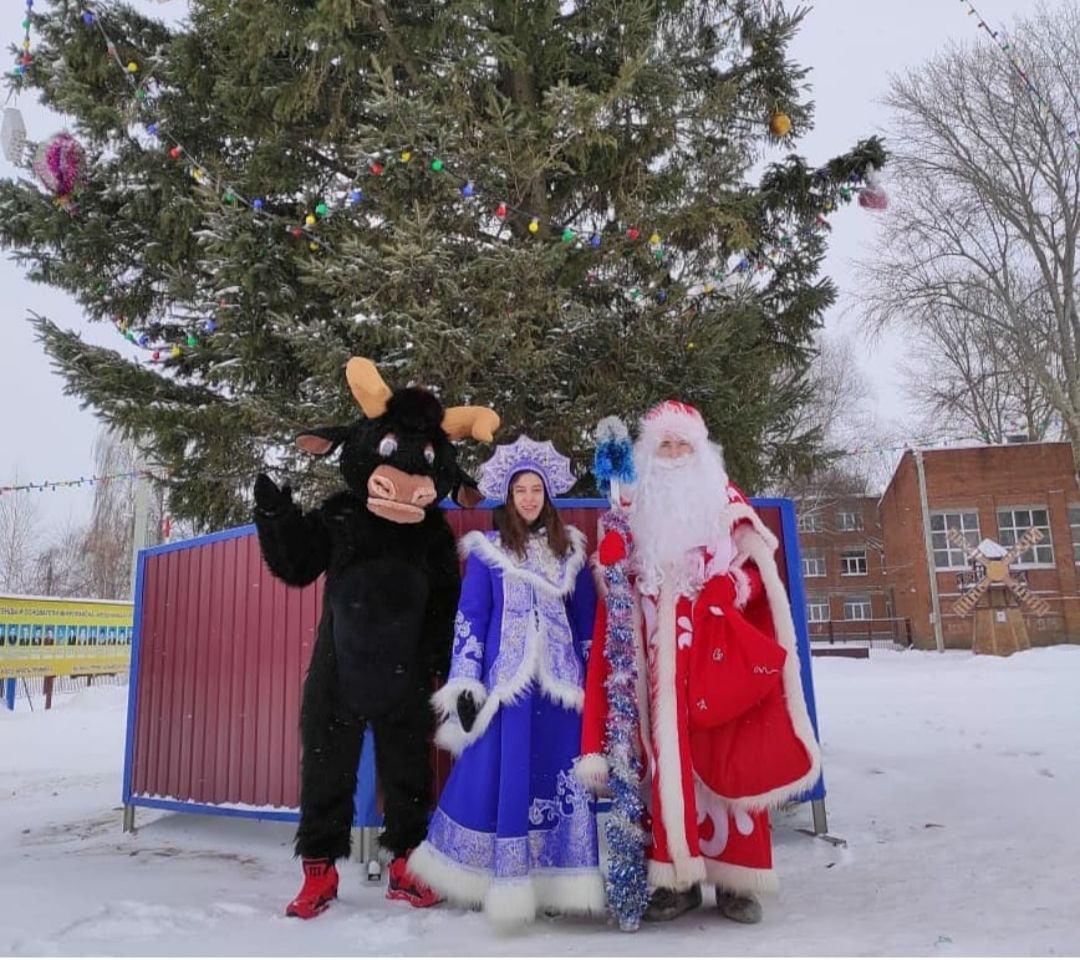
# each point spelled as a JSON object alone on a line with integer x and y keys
{"x": 48, "y": 637}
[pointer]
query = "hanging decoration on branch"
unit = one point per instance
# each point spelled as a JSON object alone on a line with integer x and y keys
{"x": 13, "y": 136}
{"x": 25, "y": 57}
{"x": 873, "y": 196}
{"x": 780, "y": 124}
{"x": 59, "y": 164}
{"x": 1071, "y": 131}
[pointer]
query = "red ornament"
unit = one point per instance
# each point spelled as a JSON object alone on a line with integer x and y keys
{"x": 500, "y": 211}
{"x": 633, "y": 233}
{"x": 155, "y": 356}
{"x": 175, "y": 153}
{"x": 377, "y": 169}
{"x": 112, "y": 51}
{"x": 297, "y": 232}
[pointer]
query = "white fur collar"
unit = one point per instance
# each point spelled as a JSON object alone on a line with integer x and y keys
{"x": 478, "y": 544}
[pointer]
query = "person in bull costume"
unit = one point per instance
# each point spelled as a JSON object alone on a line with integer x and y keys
{"x": 391, "y": 593}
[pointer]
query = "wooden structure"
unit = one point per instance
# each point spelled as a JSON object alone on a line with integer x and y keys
{"x": 998, "y": 626}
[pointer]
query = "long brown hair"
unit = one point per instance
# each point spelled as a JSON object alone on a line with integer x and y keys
{"x": 514, "y": 531}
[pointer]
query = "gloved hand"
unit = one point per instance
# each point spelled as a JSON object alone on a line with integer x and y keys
{"x": 612, "y": 549}
{"x": 466, "y": 711}
{"x": 269, "y": 500}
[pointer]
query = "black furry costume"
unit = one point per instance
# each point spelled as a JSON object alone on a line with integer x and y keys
{"x": 392, "y": 585}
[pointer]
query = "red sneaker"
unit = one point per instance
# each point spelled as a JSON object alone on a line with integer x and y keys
{"x": 404, "y": 885}
{"x": 320, "y": 887}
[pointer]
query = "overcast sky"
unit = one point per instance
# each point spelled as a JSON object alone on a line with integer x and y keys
{"x": 852, "y": 47}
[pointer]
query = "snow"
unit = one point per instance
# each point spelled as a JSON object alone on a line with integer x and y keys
{"x": 953, "y": 779}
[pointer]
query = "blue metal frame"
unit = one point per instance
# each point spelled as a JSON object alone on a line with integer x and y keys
{"x": 364, "y": 808}
{"x": 9, "y": 693}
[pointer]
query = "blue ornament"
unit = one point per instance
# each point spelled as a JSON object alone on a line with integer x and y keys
{"x": 661, "y": 296}
{"x": 87, "y": 17}
{"x": 257, "y": 204}
{"x": 468, "y": 190}
{"x": 152, "y": 129}
{"x": 211, "y": 325}
{"x": 355, "y": 196}
{"x": 595, "y": 241}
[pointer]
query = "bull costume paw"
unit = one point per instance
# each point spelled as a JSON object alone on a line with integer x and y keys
{"x": 392, "y": 582}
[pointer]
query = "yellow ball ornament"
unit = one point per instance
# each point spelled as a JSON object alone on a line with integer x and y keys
{"x": 534, "y": 225}
{"x": 780, "y": 124}
{"x": 175, "y": 352}
{"x": 406, "y": 156}
{"x": 133, "y": 67}
{"x": 309, "y": 219}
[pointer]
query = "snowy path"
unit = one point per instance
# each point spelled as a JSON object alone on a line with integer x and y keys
{"x": 955, "y": 781}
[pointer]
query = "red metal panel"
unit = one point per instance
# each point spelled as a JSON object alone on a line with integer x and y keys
{"x": 224, "y": 648}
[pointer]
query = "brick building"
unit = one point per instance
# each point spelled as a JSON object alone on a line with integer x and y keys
{"x": 847, "y": 593}
{"x": 865, "y": 558}
{"x": 987, "y": 492}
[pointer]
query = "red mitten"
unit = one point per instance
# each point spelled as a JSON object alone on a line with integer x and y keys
{"x": 612, "y": 549}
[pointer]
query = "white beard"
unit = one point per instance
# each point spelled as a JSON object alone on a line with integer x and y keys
{"x": 677, "y": 510}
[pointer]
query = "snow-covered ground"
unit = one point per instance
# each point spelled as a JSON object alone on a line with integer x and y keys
{"x": 954, "y": 780}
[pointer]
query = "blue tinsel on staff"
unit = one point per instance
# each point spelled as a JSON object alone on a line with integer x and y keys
{"x": 627, "y": 883}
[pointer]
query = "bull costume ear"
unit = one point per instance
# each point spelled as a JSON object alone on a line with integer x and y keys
{"x": 372, "y": 393}
{"x": 466, "y": 492}
{"x": 321, "y": 441}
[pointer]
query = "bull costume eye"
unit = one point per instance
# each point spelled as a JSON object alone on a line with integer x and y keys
{"x": 429, "y": 453}
{"x": 388, "y": 445}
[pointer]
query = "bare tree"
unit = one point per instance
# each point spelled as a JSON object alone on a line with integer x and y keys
{"x": 19, "y": 530}
{"x": 978, "y": 259}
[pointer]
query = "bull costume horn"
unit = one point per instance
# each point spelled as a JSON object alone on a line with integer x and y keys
{"x": 372, "y": 393}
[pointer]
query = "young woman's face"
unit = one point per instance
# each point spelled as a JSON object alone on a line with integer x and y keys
{"x": 527, "y": 495}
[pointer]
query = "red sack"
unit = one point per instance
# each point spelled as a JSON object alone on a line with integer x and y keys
{"x": 733, "y": 666}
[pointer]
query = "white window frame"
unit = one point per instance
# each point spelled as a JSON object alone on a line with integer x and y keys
{"x": 1074, "y": 528}
{"x": 846, "y": 555}
{"x": 865, "y": 604}
{"x": 817, "y": 605}
{"x": 1008, "y": 539}
{"x": 815, "y": 558}
{"x": 939, "y": 539}
{"x": 811, "y": 522}
{"x": 842, "y": 523}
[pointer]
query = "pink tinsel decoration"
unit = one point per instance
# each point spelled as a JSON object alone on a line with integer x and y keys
{"x": 873, "y": 198}
{"x": 58, "y": 164}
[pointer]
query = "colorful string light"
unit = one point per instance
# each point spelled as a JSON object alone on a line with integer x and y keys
{"x": 1000, "y": 38}
{"x": 378, "y": 165}
{"x": 52, "y": 485}
{"x": 25, "y": 57}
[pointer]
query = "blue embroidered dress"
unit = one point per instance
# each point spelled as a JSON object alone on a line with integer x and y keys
{"x": 514, "y": 830}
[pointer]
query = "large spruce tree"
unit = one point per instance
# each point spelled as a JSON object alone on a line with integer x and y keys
{"x": 542, "y": 206}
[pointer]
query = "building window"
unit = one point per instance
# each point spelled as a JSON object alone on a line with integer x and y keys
{"x": 947, "y": 555}
{"x": 857, "y": 608}
{"x": 810, "y": 523}
{"x": 1014, "y": 523}
{"x": 853, "y": 563}
{"x": 817, "y": 611}
{"x": 848, "y": 520}
{"x": 813, "y": 564}
{"x": 1074, "y": 524}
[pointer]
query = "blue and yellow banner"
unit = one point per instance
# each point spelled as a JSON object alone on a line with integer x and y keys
{"x": 48, "y": 637}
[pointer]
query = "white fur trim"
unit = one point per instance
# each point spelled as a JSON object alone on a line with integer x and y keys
{"x": 591, "y": 769}
{"x": 510, "y": 904}
{"x": 458, "y": 884}
{"x": 758, "y": 548}
{"x": 739, "y": 879}
{"x": 578, "y": 892}
{"x": 666, "y": 727}
{"x": 737, "y": 511}
{"x": 664, "y": 419}
{"x": 445, "y": 699}
{"x": 742, "y": 586}
{"x": 476, "y": 544}
{"x": 664, "y": 874}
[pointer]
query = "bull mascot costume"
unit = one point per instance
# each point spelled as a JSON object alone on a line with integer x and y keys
{"x": 391, "y": 593}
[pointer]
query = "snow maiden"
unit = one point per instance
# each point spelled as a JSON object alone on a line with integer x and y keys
{"x": 514, "y": 830}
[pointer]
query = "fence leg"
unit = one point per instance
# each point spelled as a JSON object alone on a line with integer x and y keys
{"x": 821, "y": 821}
{"x": 129, "y": 818}
{"x": 48, "y": 685}
{"x": 9, "y": 693}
